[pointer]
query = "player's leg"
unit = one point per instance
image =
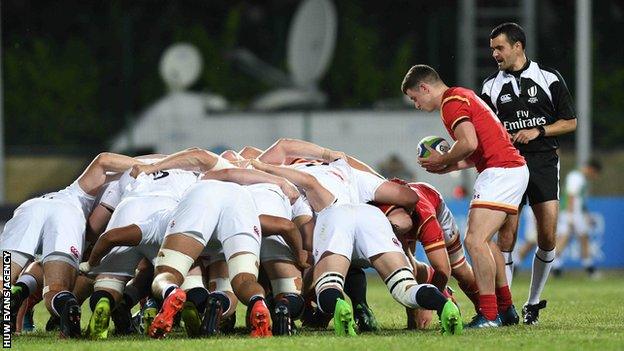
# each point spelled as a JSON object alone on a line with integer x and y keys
{"x": 25, "y": 294}
{"x": 482, "y": 224}
{"x": 507, "y": 237}
{"x": 220, "y": 314}
{"x": 546, "y": 218}
{"x": 136, "y": 289}
{"x": 196, "y": 297}
{"x": 328, "y": 277}
{"x": 286, "y": 284}
{"x": 175, "y": 258}
{"x": 107, "y": 292}
{"x": 506, "y": 309}
{"x": 462, "y": 271}
{"x": 59, "y": 277}
{"x": 355, "y": 288}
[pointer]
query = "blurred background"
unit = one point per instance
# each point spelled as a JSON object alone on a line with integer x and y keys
{"x": 81, "y": 77}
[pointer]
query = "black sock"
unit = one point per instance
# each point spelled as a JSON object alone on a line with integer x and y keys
{"x": 169, "y": 290}
{"x": 295, "y": 304}
{"x": 198, "y": 297}
{"x": 23, "y": 293}
{"x": 61, "y": 299}
{"x": 225, "y": 300}
{"x": 129, "y": 301}
{"x": 97, "y": 295}
{"x": 430, "y": 298}
{"x": 327, "y": 299}
{"x": 355, "y": 286}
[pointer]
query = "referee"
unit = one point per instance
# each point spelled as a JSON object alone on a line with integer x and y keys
{"x": 534, "y": 105}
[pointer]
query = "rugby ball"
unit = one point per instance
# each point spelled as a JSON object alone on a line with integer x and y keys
{"x": 437, "y": 143}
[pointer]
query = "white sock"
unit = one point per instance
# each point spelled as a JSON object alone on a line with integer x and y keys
{"x": 29, "y": 281}
{"x": 587, "y": 262}
{"x": 557, "y": 263}
{"x": 509, "y": 265}
{"x": 542, "y": 262}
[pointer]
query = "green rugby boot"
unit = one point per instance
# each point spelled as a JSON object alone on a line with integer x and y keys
{"x": 450, "y": 319}
{"x": 100, "y": 319}
{"x": 343, "y": 319}
{"x": 191, "y": 319}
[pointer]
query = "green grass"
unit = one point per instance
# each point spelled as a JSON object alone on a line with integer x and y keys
{"x": 582, "y": 314}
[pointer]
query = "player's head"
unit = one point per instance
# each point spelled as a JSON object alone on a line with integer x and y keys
{"x": 593, "y": 168}
{"x": 508, "y": 43}
{"x": 421, "y": 85}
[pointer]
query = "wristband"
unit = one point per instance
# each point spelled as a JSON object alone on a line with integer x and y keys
{"x": 542, "y": 131}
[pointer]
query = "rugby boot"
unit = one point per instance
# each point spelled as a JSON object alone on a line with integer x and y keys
{"x": 450, "y": 319}
{"x": 211, "y": 324}
{"x": 163, "y": 322}
{"x": 365, "y": 319}
{"x": 530, "y": 313}
{"x": 260, "y": 320}
{"x": 343, "y": 319}
{"x": 99, "y": 321}
{"x": 509, "y": 316}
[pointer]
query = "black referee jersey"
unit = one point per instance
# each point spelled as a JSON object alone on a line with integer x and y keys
{"x": 534, "y": 96}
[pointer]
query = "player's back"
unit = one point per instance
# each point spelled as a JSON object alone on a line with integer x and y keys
{"x": 75, "y": 196}
{"x": 495, "y": 148}
{"x": 171, "y": 183}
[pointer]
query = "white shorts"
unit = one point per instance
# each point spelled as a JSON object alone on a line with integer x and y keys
{"x": 52, "y": 226}
{"x": 500, "y": 188}
{"x": 222, "y": 251}
{"x": 135, "y": 209}
{"x": 270, "y": 200}
{"x": 121, "y": 260}
{"x": 450, "y": 229}
{"x": 274, "y": 248}
{"x": 214, "y": 210}
{"x": 356, "y": 231}
{"x": 572, "y": 223}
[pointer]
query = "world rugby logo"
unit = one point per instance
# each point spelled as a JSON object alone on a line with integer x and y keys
{"x": 532, "y": 91}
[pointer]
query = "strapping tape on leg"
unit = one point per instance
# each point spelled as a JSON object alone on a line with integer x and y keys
{"x": 400, "y": 283}
{"x": 220, "y": 284}
{"x": 192, "y": 281}
{"x": 243, "y": 263}
{"x": 53, "y": 288}
{"x": 110, "y": 284}
{"x": 286, "y": 285}
{"x": 174, "y": 259}
{"x": 329, "y": 280}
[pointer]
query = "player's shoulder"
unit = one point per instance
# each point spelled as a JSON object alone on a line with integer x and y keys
{"x": 458, "y": 94}
{"x": 550, "y": 74}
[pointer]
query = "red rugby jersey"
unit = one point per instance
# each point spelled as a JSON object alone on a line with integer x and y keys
{"x": 495, "y": 148}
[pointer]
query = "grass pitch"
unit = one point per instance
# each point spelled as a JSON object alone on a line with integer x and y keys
{"x": 582, "y": 314}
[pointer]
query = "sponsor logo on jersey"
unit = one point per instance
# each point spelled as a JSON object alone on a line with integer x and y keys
{"x": 505, "y": 98}
{"x": 172, "y": 224}
{"x": 524, "y": 121}
{"x": 532, "y": 91}
{"x": 74, "y": 251}
{"x": 476, "y": 196}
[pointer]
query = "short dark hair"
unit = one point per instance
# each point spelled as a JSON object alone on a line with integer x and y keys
{"x": 595, "y": 164}
{"x": 513, "y": 31}
{"x": 418, "y": 74}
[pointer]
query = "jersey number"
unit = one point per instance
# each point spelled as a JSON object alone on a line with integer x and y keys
{"x": 160, "y": 175}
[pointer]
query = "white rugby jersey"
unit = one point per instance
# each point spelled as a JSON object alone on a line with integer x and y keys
{"x": 75, "y": 196}
{"x": 347, "y": 184}
{"x": 153, "y": 232}
{"x": 170, "y": 183}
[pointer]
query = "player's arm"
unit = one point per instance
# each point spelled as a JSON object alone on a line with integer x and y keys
{"x": 96, "y": 173}
{"x": 124, "y": 236}
{"x": 561, "y": 126}
{"x": 272, "y": 225}
{"x": 396, "y": 194}
{"x": 253, "y": 176}
{"x": 285, "y": 148}
{"x": 465, "y": 145}
{"x": 249, "y": 152}
{"x": 193, "y": 159}
{"x": 317, "y": 195}
{"x": 97, "y": 222}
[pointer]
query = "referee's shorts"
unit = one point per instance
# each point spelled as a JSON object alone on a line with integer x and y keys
{"x": 543, "y": 177}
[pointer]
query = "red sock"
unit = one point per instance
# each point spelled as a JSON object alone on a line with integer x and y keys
{"x": 503, "y": 298}
{"x": 487, "y": 306}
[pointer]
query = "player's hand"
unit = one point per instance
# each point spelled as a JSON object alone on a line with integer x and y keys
{"x": 241, "y": 163}
{"x": 447, "y": 169}
{"x": 257, "y": 164}
{"x": 423, "y": 318}
{"x": 302, "y": 259}
{"x": 433, "y": 163}
{"x": 525, "y": 135}
{"x": 290, "y": 190}
{"x": 142, "y": 168}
